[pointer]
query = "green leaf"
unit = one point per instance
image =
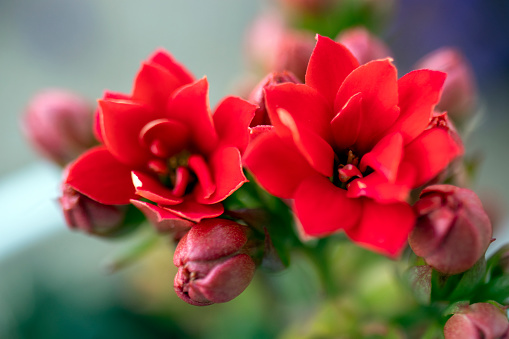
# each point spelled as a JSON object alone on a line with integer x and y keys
{"x": 469, "y": 281}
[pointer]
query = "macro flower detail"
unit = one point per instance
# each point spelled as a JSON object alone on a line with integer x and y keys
{"x": 163, "y": 144}
{"x": 350, "y": 144}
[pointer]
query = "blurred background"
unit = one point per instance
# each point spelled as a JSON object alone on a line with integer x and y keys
{"x": 51, "y": 281}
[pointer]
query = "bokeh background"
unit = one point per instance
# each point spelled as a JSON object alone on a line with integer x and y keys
{"x": 51, "y": 281}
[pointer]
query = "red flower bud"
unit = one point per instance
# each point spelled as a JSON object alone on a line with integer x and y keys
{"x": 59, "y": 125}
{"x": 90, "y": 216}
{"x": 459, "y": 93}
{"x": 481, "y": 320}
{"x": 214, "y": 262}
{"x": 363, "y": 45}
{"x": 452, "y": 230}
{"x": 257, "y": 96}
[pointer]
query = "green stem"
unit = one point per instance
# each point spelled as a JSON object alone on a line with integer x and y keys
{"x": 319, "y": 258}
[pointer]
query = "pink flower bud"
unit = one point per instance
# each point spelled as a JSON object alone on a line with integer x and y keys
{"x": 363, "y": 45}
{"x": 214, "y": 261}
{"x": 481, "y": 320}
{"x": 59, "y": 125}
{"x": 452, "y": 230}
{"x": 257, "y": 96}
{"x": 272, "y": 47}
{"x": 90, "y": 216}
{"x": 459, "y": 92}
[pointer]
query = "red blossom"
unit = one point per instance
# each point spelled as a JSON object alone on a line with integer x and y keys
{"x": 350, "y": 144}
{"x": 163, "y": 144}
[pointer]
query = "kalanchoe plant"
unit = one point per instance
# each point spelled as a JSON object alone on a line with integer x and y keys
{"x": 333, "y": 143}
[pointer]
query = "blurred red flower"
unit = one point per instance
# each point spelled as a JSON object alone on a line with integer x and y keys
{"x": 162, "y": 144}
{"x": 350, "y": 144}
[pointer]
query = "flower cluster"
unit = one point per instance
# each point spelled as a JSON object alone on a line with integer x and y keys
{"x": 344, "y": 146}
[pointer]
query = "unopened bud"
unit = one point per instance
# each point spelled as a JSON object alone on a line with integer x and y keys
{"x": 481, "y": 320}
{"x": 257, "y": 96}
{"x": 90, "y": 216}
{"x": 459, "y": 94}
{"x": 59, "y": 125}
{"x": 215, "y": 262}
{"x": 273, "y": 47}
{"x": 363, "y": 45}
{"x": 452, "y": 230}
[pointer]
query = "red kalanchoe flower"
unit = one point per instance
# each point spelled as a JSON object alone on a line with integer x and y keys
{"x": 162, "y": 144}
{"x": 350, "y": 144}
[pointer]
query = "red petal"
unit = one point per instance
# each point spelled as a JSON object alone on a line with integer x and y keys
{"x": 226, "y": 166}
{"x": 385, "y": 157}
{"x": 205, "y": 186}
{"x": 278, "y": 167}
{"x": 190, "y": 105}
{"x": 121, "y": 123}
{"x": 419, "y": 91}
{"x": 317, "y": 151}
{"x": 346, "y": 125}
{"x": 430, "y": 153}
{"x": 171, "y": 137}
{"x": 100, "y": 176}
{"x": 165, "y": 59}
{"x": 305, "y": 105}
{"x": 384, "y": 228}
{"x": 231, "y": 119}
{"x": 377, "y": 187}
{"x": 97, "y": 123}
{"x": 328, "y": 67}
{"x": 161, "y": 218}
{"x": 182, "y": 177}
{"x": 323, "y": 208}
{"x": 255, "y": 132}
{"x": 154, "y": 85}
{"x": 377, "y": 83}
{"x": 191, "y": 210}
{"x": 153, "y": 190}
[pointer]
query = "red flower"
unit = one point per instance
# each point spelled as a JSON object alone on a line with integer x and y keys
{"x": 162, "y": 143}
{"x": 350, "y": 144}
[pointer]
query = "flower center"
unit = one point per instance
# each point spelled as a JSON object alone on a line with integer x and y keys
{"x": 346, "y": 169}
{"x": 175, "y": 173}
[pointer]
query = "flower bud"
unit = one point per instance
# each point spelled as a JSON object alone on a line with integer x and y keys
{"x": 452, "y": 230}
{"x": 459, "y": 92}
{"x": 59, "y": 125}
{"x": 272, "y": 47}
{"x": 363, "y": 45}
{"x": 257, "y": 96}
{"x": 481, "y": 320}
{"x": 215, "y": 262}
{"x": 90, "y": 216}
